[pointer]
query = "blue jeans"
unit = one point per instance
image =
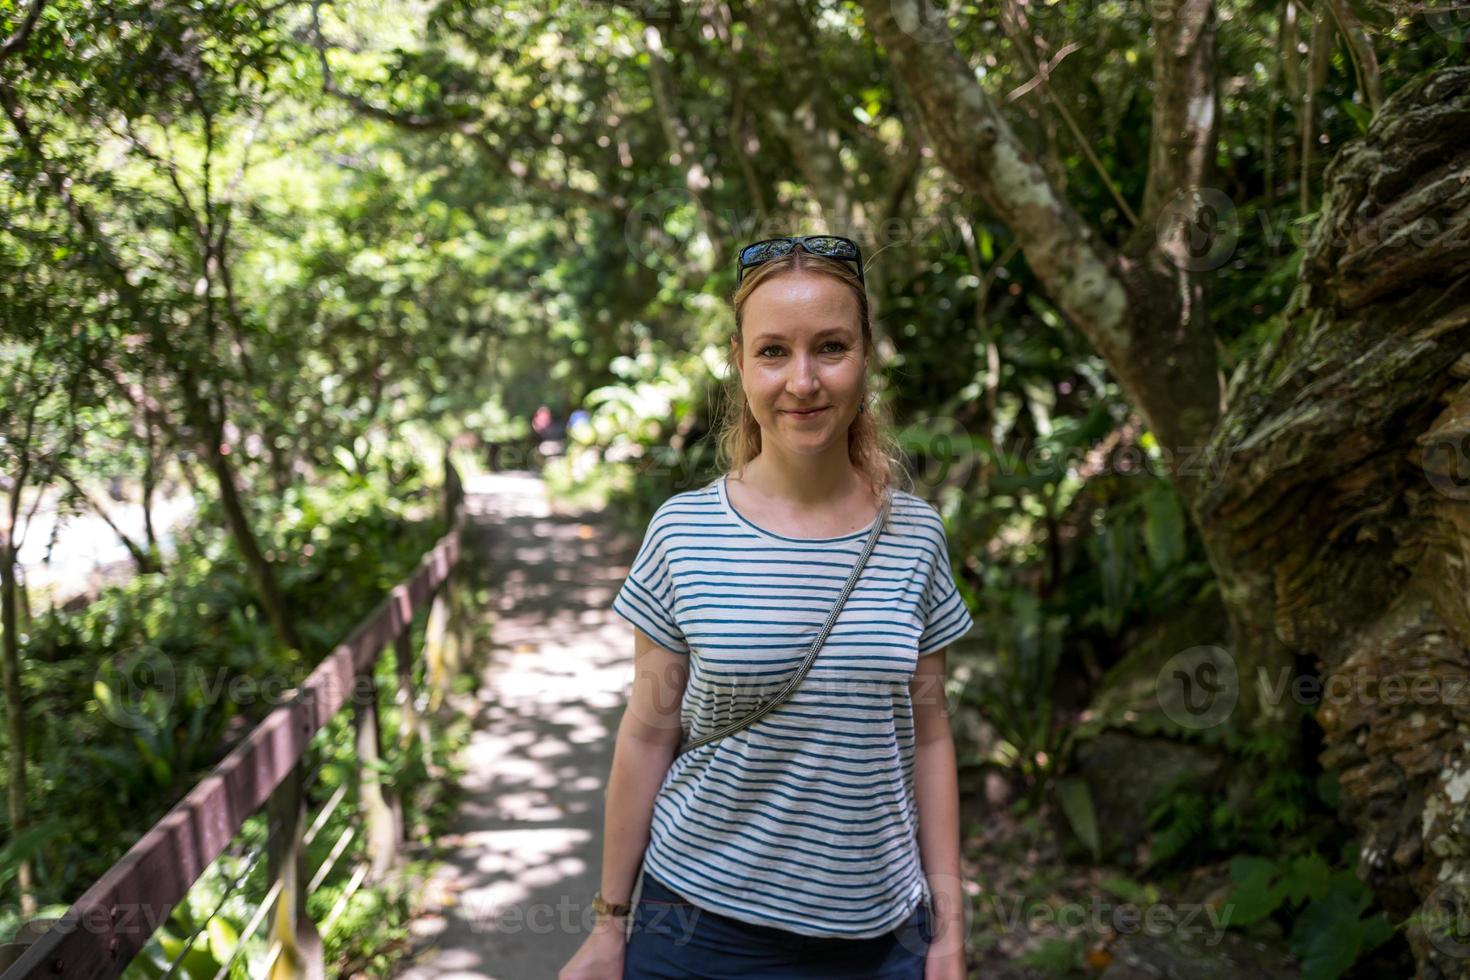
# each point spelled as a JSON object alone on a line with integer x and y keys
{"x": 672, "y": 939}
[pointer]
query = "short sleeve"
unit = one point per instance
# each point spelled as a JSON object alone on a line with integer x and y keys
{"x": 646, "y": 598}
{"x": 945, "y": 617}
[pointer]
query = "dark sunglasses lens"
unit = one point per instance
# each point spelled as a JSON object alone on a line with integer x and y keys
{"x": 761, "y": 251}
{"x": 837, "y": 248}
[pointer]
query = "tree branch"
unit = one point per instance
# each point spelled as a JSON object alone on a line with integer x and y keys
{"x": 1013, "y": 22}
{"x": 978, "y": 146}
{"x": 420, "y": 123}
{"x": 1361, "y": 46}
{"x": 1182, "y": 134}
{"x": 139, "y": 554}
{"x": 804, "y": 115}
{"x": 1141, "y": 308}
{"x": 681, "y": 148}
{"x": 17, "y": 40}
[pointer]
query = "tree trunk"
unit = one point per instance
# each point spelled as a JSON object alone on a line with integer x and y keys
{"x": 260, "y": 571}
{"x": 682, "y": 150}
{"x": 15, "y": 729}
{"x": 150, "y": 483}
{"x": 1141, "y": 308}
{"x": 1342, "y": 525}
{"x": 1334, "y": 495}
{"x": 143, "y": 558}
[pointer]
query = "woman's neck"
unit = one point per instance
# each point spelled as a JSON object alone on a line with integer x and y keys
{"x": 807, "y": 482}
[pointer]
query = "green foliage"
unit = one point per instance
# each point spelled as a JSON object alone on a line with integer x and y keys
{"x": 369, "y": 928}
{"x": 1143, "y": 555}
{"x": 1180, "y": 820}
{"x": 23, "y": 845}
{"x": 646, "y": 437}
{"x": 1269, "y": 801}
{"x": 1056, "y": 957}
{"x": 1013, "y": 688}
{"x": 1327, "y": 907}
{"x": 1076, "y": 801}
{"x": 295, "y": 230}
{"x": 145, "y": 683}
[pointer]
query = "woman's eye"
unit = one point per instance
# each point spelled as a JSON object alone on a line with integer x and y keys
{"x": 837, "y": 344}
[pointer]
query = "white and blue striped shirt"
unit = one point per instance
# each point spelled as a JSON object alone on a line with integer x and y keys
{"x": 806, "y": 819}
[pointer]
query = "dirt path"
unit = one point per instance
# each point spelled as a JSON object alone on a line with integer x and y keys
{"x": 513, "y": 899}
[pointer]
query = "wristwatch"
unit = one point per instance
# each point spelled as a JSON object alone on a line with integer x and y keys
{"x": 605, "y": 908}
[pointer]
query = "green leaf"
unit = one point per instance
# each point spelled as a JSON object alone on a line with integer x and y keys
{"x": 1309, "y": 877}
{"x": 24, "y": 845}
{"x": 223, "y": 938}
{"x": 1327, "y": 936}
{"x": 1163, "y": 527}
{"x": 1054, "y": 956}
{"x": 1360, "y": 114}
{"x": 1076, "y": 800}
{"x": 1256, "y": 893}
{"x": 344, "y": 458}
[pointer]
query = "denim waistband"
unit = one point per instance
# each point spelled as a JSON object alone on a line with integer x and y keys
{"x": 656, "y": 892}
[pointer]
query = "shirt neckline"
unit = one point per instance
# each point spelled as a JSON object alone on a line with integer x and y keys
{"x": 738, "y": 518}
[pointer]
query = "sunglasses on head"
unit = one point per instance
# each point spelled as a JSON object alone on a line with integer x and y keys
{"x": 827, "y": 246}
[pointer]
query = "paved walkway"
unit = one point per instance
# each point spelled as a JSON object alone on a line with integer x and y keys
{"x": 525, "y": 858}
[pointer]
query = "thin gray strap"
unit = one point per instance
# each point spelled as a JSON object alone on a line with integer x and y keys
{"x": 634, "y": 898}
{"x": 769, "y": 703}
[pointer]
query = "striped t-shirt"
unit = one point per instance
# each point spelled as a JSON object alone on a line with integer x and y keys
{"x": 806, "y": 819}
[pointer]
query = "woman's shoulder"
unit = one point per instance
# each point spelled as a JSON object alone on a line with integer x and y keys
{"x": 915, "y": 514}
{"x": 688, "y": 506}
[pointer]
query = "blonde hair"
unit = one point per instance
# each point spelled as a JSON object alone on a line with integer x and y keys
{"x": 871, "y": 445}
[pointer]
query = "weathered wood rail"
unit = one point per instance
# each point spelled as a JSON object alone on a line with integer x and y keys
{"x": 105, "y": 929}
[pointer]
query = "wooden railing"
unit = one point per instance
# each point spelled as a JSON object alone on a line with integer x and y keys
{"x": 110, "y": 924}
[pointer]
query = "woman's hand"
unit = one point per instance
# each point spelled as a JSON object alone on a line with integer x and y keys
{"x": 946, "y": 957}
{"x": 942, "y": 964}
{"x": 601, "y": 954}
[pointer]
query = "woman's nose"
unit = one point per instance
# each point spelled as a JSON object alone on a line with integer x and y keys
{"x": 803, "y": 377}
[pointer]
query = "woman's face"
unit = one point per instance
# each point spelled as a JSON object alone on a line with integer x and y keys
{"x": 803, "y": 349}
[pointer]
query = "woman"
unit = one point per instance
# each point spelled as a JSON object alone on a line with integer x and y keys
{"x": 822, "y": 840}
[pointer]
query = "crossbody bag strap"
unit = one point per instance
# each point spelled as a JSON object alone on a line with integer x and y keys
{"x": 769, "y": 703}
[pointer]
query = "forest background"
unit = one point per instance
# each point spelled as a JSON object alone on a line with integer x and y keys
{"x": 1170, "y": 300}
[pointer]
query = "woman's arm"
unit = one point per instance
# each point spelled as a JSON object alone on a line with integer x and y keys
{"x": 648, "y": 737}
{"x": 936, "y": 787}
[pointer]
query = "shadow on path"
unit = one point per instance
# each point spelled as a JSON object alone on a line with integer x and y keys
{"x": 513, "y": 899}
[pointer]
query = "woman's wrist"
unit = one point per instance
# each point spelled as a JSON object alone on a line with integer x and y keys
{"x": 604, "y": 907}
{"x": 611, "y": 926}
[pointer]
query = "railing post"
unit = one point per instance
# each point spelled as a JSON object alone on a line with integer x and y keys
{"x": 453, "y": 486}
{"x": 442, "y": 634}
{"x": 460, "y": 619}
{"x": 409, "y": 719}
{"x": 301, "y": 946}
{"x": 380, "y": 804}
{"x": 26, "y": 933}
{"x": 439, "y": 641}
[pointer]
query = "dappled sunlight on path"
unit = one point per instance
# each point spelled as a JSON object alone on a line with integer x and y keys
{"x": 513, "y": 900}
